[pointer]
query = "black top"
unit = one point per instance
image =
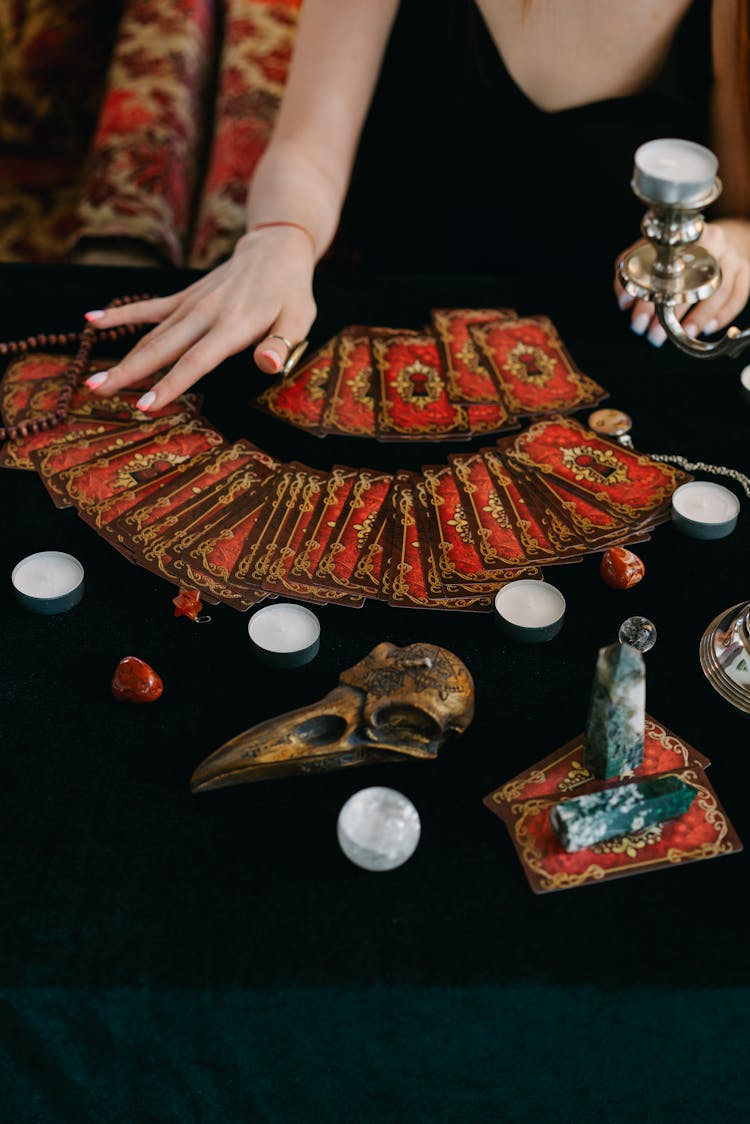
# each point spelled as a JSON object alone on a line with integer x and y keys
{"x": 459, "y": 171}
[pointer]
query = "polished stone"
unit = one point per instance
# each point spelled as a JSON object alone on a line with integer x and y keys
{"x": 136, "y": 682}
{"x": 586, "y": 820}
{"x": 378, "y": 828}
{"x": 617, "y": 713}
{"x": 620, "y": 568}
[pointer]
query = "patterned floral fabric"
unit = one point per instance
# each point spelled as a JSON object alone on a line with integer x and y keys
{"x": 53, "y": 61}
{"x": 257, "y": 47}
{"x": 143, "y": 161}
{"x": 165, "y": 169}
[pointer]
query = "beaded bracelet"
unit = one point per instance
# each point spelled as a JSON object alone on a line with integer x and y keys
{"x": 78, "y": 366}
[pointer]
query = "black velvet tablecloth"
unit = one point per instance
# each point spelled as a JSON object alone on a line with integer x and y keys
{"x": 168, "y": 957}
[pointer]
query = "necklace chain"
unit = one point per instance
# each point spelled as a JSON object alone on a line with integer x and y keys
{"x": 711, "y": 469}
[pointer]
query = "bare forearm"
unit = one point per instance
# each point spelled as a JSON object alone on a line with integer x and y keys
{"x": 305, "y": 171}
{"x": 291, "y": 185}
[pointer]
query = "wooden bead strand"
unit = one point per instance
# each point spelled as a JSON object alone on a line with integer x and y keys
{"x": 85, "y": 339}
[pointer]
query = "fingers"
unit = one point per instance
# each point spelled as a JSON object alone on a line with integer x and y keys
{"x": 210, "y": 350}
{"x": 139, "y": 312}
{"x": 148, "y": 357}
{"x": 721, "y": 308}
{"x": 292, "y": 324}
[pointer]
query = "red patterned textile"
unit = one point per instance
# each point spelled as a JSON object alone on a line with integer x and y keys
{"x": 142, "y": 164}
{"x": 257, "y": 47}
{"x": 165, "y": 169}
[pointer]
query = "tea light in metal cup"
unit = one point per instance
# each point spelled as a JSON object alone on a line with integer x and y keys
{"x": 669, "y": 170}
{"x": 285, "y": 635}
{"x": 704, "y": 510}
{"x": 378, "y": 828}
{"x": 48, "y": 582}
{"x": 529, "y": 611}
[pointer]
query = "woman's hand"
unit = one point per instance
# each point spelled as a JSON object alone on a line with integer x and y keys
{"x": 263, "y": 290}
{"x": 729, "y": 242}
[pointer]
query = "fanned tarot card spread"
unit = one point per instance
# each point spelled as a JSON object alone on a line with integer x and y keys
{"x": 525, "y": 803}
{"x": 174, "y": 496}
{"x": 471, "y": 371}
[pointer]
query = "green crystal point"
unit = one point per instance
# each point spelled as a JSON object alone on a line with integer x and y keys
{"x": 623, "y": 808}
{"x": 617, "y": 713}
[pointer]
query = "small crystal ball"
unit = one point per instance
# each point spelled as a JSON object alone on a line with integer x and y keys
{"x": 640, "y": 632}
{"x": 378, "y": 828}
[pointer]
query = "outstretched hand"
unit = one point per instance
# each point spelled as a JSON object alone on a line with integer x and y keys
{"x": 729, "y": 242}
{"x": 263, "y": 290}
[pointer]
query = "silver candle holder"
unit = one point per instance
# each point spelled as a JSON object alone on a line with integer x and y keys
{"x": 676, "y": 180}
{"x": 725, "y": 655}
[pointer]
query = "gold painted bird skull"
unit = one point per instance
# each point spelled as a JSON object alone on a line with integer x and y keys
{"x": 395, "y": 704}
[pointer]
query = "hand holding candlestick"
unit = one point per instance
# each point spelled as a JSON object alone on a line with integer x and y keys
{"x": 677, "y": 180}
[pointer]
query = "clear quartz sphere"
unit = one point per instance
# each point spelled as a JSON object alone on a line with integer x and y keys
{"x": 378, "y": 828}
{"x": 639, "y": 632}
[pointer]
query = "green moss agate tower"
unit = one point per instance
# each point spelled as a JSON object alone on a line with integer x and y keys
{"x": 617, "y": 714}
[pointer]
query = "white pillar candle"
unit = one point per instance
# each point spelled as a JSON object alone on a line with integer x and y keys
{"x": 674, "y": 171}
{"x": 704, "y": 510}
{"x": 48, "y": 582}
{"x": 285, "y": 635}
{"x": 529, "y": 611}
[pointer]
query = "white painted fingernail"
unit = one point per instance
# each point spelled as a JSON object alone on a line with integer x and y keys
{"x": 691, "y": 330}
{"x": 95, "y": 314}
{"x": 146, "y": 400}
{"x": 97, "y": 379}
{"x": 640, "y": 323}
{"x": 273, "y": 358}
{"x": 625, "y": 300}
{"x": 657, "y": 335}
{"x": 711, "y": 327}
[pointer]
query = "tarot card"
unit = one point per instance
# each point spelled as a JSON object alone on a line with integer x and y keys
{"x": 625, "y": 482}
{"x": 413, "y": 574}
{"x": 456, "y": 546}
{"x": 350, "y": 403}
{"x": 22, "y": 377}
{"x": 563, "y": 773}
{"x": 543, "y": 540}
{"x": 493, "y": 520}
{"x": 81, "y": 450}
{"x": 489, "y": 417}
{"x": 468, "y": 376}
{"x": 96, "y": 484}
{"x": 353, "y": 531}
{"x": 558, "y": 528}
{"x": 412, "y": 399}
{"x": 190, "y": 479}
{"x": 534, "y": 371}
{"x": 704, "y": 831}
{"x": 17, "y": 453}
{"x": 300, "y": 397}
{"x": 317, "y": 533}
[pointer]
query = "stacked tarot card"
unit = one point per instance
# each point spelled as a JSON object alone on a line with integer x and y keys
{"x": 472, "y": 371}
{"x": 525, "y": 803}
{"x": 173, "y": 495}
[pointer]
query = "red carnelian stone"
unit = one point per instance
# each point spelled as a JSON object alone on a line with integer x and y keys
{"x": 187, "y": 603}
{"x": 620, "y": 568}
{"x": 134, "y": 681}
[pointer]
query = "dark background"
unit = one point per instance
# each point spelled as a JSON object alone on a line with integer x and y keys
{"x": 173, "y": 957}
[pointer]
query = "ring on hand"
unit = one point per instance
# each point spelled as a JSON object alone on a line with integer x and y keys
{"x": 288, "y": 343}
{"x": 295, "y": 354}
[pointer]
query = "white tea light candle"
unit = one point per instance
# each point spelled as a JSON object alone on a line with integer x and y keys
{"x": 48, "y": 582}
{"x": 284, "y": 635}
{"x": 674, "y": 171}
{"x": 529, "y": 611}
{"x": 705, "y": 511}
{"x": 745, "y": 384}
